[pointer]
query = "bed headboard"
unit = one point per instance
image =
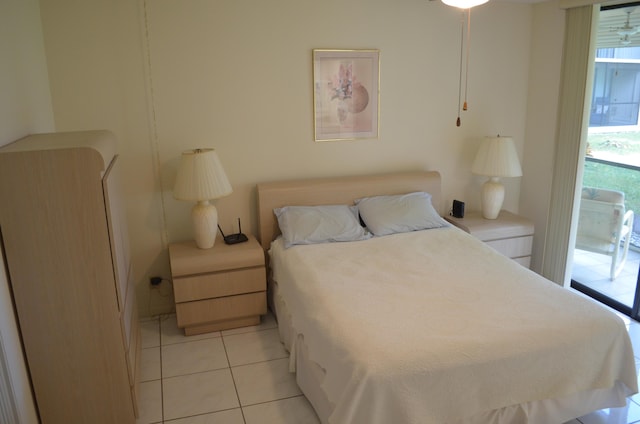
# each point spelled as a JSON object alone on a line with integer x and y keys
{"x": 337, "y": 190}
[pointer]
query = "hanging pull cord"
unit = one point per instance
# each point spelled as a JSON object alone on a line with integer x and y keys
{"x": 466, "y": 74}
{"x": 460, "y": 79}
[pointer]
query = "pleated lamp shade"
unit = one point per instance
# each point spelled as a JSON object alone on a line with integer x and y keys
{"x": 201, "y": 176}
{"x": 497, "y": 157}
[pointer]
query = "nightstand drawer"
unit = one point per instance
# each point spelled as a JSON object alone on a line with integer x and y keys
{"x": 513, "y": 247}
{"x": 221, "y": 309}
{"x": 219, "y": 284}
{"x": 219, "y": 288}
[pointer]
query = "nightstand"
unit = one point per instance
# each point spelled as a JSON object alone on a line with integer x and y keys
{"x": 509, "y": 234}
{"x": 219, "y": 288}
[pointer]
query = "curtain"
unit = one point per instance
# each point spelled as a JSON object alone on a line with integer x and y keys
{"x": 575, "y": 88}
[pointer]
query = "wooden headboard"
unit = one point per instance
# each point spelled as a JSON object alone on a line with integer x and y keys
{"x": 339, "y": 190}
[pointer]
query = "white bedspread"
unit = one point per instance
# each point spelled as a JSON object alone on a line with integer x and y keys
{"x": 434, "y": 326}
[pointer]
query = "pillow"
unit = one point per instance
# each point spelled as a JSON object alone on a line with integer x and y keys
{"x": 399, "y": 214}
{"x": 319, "y": 224}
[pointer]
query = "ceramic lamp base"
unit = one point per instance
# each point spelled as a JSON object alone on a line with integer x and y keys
{"x": 205, "y": 224}
{"x": 492, "y": 198}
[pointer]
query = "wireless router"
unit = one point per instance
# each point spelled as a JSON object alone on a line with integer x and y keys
{"x": 234, "y": 238}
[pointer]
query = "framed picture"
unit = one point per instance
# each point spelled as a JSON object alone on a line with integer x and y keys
{"x": 346, "y": 94}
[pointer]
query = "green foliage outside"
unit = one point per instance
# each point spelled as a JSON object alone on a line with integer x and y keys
{"x": 621, "y": 143}
{"x": 616, "y": 147}
{"x": 625, "y": 180}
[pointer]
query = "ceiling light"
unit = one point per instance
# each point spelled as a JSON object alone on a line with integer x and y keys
{"x": 627, "y": 29}
{"x": 464, "y": 4}
{"x": 625, "y": 32}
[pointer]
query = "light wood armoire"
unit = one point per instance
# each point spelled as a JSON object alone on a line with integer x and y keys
{"x": 67, "y": 254}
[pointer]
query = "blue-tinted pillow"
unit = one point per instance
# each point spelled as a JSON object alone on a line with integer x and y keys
{"x": 402, "y": 213}
{"x": 319, "y": 224}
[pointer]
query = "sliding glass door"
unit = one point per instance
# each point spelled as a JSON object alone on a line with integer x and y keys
{"x": 606, "y": 258}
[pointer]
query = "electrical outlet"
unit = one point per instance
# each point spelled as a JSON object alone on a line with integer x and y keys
{"x": 155, "y": 281}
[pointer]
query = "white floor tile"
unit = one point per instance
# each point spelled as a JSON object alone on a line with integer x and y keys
{"x": 171, "y": 333}
{"x": 266, "y": 322}
{"x": 592, "y": 270}
{"x": 150, "y": 402}
{"x": 149, "y": 333}
{"x": 265, "y": 382}
{"x": 193, "y": 356}
{"x": 150, "y": 364}
{"x": 634, "y": 334}
{"x": 295, "y": 410}
{"x": 591, "y": 273}
{"x": 636, "y": 398}
{"x": 627, "y": 414}
{"x": 196, "y": 394}
{"x": 247, "y": 348}
{"x": 232, "y": 416}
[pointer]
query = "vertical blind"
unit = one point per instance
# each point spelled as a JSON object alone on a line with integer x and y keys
{"x": 575, "y": 87}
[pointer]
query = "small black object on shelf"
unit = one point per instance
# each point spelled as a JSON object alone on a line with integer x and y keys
{"x": 457, "y": 210}
{"x": 234, "y": 238}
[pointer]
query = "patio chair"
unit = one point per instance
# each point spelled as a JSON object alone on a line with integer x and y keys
{"x": 604, "y": 226}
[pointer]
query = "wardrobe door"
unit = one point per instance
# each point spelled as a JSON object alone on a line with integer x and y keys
{"x": 121, "y": 256}
{"x": 54, "y": 228}
{"x": 118, "y": 236}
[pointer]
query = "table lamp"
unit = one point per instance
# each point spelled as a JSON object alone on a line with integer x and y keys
{"x": 201, "y": 178}
{"x": 497, "y": 157}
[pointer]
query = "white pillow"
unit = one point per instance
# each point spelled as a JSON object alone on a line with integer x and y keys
{"x": 402, "y": 213}
{"x": 319, "y": 224}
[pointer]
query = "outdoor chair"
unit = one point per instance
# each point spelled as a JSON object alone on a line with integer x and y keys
{"x": 604, "y": 226}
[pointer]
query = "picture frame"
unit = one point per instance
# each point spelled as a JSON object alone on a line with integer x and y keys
{"x": 346, "y": 94}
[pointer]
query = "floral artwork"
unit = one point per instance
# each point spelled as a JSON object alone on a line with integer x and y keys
{"x": 346, "y": 94}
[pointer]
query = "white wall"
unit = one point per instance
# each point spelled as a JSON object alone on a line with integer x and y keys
{"x": 97, "y": 75}
{"x": 168, "y": 76}
{"x": 239, "y": 79}
{"x": 25, "y": 107}
{"x": 25, "y": 104}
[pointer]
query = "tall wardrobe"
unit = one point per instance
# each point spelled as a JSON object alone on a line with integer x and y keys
{"x": 66, "y": 251}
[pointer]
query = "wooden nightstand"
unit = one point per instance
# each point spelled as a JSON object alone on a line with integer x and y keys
{"x": 509, "y": 234}
{"x": 219, "y": 288}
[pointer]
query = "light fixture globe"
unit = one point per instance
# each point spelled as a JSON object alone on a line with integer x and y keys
{"x": 464, "y": 4}
{"x": 625, "y": 32}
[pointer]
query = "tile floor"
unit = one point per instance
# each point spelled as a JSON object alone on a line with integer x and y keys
{"x": 236, "y": 376}
{"x": 241, "y": 376}
{"x": 592, "y": 269}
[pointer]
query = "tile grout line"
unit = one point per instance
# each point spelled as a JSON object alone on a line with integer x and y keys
{"x": 235, "y": 386}
{"x": 161, "y": 372}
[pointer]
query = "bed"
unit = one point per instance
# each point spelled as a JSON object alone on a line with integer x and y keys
{"x": 431, "y": 326}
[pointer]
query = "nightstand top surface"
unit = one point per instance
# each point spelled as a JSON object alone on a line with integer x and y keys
{"x": 505, "y": 226}
{"x": 187, "y": 259}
